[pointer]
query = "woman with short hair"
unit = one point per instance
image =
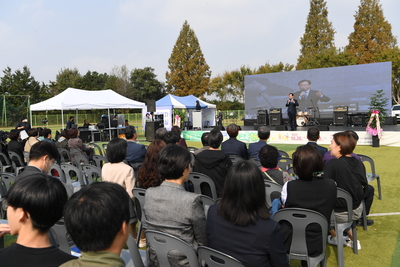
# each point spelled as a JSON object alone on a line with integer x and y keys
{"x": 75, "y": 142}
{"x": 239, "y": 225}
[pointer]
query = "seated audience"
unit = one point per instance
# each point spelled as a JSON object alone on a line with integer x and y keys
{"x": 328, "y": 156}
{"x": 40, "y": 132}
{"x": 171, "y": 209}
{"x": 100, "y": 236}
{"x": 263, "y": 134}
{"x": 213, "y": 162}
{"x": 160, "y": 133}
{"x": 75, "y": 142}
{"x": 114, "y": 121}
{"x": 268, "y": 156}
{"x": 204, "y": 141}
{"x": 34, "y": 206}
{"x": 62, "y": 142}
{"x": 148, "y": 175}
{"x": 135, "y": 152}
{"x": 33, "y": 139}
{"x": 126, "y": 124}
{"x": 171, "y": 137}
{"x": 47, "y": 136}
{"x": 349, "y": 174}
{"x": 181, "y": 141}
{"x": 86, "y": 123}
{"x": 232, "y": 146}
{"x": 239, "y": 225}
{"x": 311, "y": 191}
{"x": 313, "y": 136}
{"x": 15, "y": 144}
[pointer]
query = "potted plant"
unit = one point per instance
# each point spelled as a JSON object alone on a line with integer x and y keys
{"x": 377, "y": 114}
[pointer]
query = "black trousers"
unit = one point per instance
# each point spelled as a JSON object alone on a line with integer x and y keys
{"x": 292, "y": 120}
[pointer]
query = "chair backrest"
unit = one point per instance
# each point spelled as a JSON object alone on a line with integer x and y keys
{"x": 104, "y": 148}
{"x": 3, "y": 213}
{"x": 92, "y": 173}
{"x": 163, "y": 243}
{"x": 134, "y": 252}
{"x": 56, "y": 171}
{"x": 207, "y": 202}
{"x": 9, "y": 179}
{"x": 283, "y": 154}
{"x": 285, "y": 163}
{"x": 215, "y": 258}
{"x": 369, "y": 160}
{"x": 290, "y": 171}
{"x": 341, "y": 193}
{"x": 255, "y": 160}
{"x": 68, "y": 169}
{"x": 26, "y": 156}
{"x": 99, "y": 160}
{"x": 235, "y": 158}
{"x": 97, "y": 148}
{"x": 17, "y": 163}
{"x": 139, "y": 194}
{"x": 4, "y": 159}
{"x": 59, "y": 236}
{"x": 300, "y": 219}
{"x": 271, "y": 187}
{"x": 192, "y": 149}
{"x": 200, "y": 181}
{"x": 64, "y": 154}
{"x": 80, "y": 159}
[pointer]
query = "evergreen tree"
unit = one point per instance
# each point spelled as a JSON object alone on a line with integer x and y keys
{"x": 372, "y": 33}
{"x": 318, "y": 36}
{"x": 145, "y": 86}
{"x": 189, "y": 73}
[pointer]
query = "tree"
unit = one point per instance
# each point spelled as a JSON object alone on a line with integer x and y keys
{"x": 66, "y": 78}
{"x": 93, "y": 81}
{"x": 318, "y": 36}
{"x": 372, "y": 33}
{"x": 189, "y": 73}
{"x": 145, "y": 86}
{"x": 119, "y": 81}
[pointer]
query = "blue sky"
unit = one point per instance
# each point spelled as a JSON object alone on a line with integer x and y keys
{"x": 98, "y": 35}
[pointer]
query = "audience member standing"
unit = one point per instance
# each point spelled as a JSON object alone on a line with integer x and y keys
{"x": 232, "y": 146}
{"x": 239, "y": 225}
{"x": 70, "y": 123}
{"x": 23, "y": 125}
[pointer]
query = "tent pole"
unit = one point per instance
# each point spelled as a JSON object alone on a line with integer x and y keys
{"x": 109, "y": 123}
{"x": 77, "y": 118}
{"x": 62, "y": 119}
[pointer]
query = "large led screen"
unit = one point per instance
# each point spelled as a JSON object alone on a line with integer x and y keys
{"x": 318, "y": 91}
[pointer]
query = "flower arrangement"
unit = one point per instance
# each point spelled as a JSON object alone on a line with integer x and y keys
{"x": 377, "y": 113}
{"x": 374, "y": 124}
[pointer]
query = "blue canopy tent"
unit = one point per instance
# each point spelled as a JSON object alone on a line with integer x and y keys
{"x": 169, "y": 102}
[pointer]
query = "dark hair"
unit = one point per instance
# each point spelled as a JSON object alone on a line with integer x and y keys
{"x": 40, "y": 131}
{"x": 243, "y": 196}
{"x": 171, "y": 137}
{"x": 23, "y": 118}
{"x": 176, "y": 129}
{"x": 116, "y": 150}
{"x": 263, "y": 132}
{"x": 13, "y": 135}
{"x": 215, "y": 138}
{"x": 94, "y": 215}
{"x": 65, "y": 133}
{"x": 353, "y": 133}
{"x": 73, "y": 133}
{"x": 130, "y": 132}
{"x": 46, "y": 132}
{"x": 33, "y": 132}
{"x": 268, "y": 156}
{"x": 291, "y": 94}
{"x": 160, "y": 133}
{"x": 40, "y": 149}
{"x": 306, "y": 161}
{"x": 232, "y": 130}
{"x": 148, "y": 175}
{"x": 308, "y": 81}
{"x": 71, "y": 117}
{"x": 172, "y": 161}
{"x": 346, "y": 142}
{"x": 204, "y": 138}
{"x": 41, "y": 196}
{"x": 313, "y": 134}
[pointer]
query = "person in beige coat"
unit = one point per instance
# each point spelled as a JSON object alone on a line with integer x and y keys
{"x": 33, "y": 135}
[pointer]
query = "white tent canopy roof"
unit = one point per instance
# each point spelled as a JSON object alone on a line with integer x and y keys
{"x": 77, "y": 99}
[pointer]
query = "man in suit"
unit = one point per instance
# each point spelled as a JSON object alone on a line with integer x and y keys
{"x": 307, "y": 97}
{"x": 291, "y": 105}
{"x": 232, "y": 146}
{"x": 70, "y": 123}
{"x": 41, "y": 158}
{"x": 263, "y": 134}
{"x": 134, "y": 152}
{"x": 313, "y": 136}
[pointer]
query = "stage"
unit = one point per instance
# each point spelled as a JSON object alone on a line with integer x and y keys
{"x": 248, "y": 134}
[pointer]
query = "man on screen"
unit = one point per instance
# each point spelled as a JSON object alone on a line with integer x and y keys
{"x": 309, "y": 98}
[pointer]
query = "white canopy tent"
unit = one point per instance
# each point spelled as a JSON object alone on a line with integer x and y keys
{"x": 77, "y": 99}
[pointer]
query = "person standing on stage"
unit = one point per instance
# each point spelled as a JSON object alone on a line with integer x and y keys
{"x": 291, "y": 105}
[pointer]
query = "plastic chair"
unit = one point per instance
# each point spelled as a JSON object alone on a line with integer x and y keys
{"x": 163, "y": 243}
{"x": 26, "y": 156}
{"x": 291, "y": 173}
{"x": 271, "y": 187}
{"x": 134, "y": 252}
{"x": 139, "y": 194}
{"x": 255, "y": 160}
{"x": 64, "y": 155}
{"x": 8, "y": 179}
{"x": 17, "y": 163}
{"x": 235, "y": 158}
{"x": 58, "y": 236}
{"x": 80, "y": 159}
{"x": 285, "y": 163}
{"x": 200, "y": 179}
{"x": 372, "y": 176}
{"x": 135, "y": 166}
{"x": 104, "y": 148}
{"x": 192, "y": 149}
{"x": 300, "y": 219}
{"x": 207, "y": 202}
{"x": 68, "y": 168}
{"x": 6, "y": 164}
{"x": 283, "y": 154}
{"x": 56, "y": 168}
{"x": 99, "y": 160}
{"x": 340, "y": 227}
{"x": 215, "y": 258}
{"x": 97, "y": 148}
{"x": 92, "y": 173}
{"x": 3, "y": 194}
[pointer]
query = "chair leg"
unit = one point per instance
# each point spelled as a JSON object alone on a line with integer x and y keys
{"x": 355, "y": 240}
{"x": 140, "y": 229}
{"x": 364, "y": 215}
{"x": 378, "y": 180}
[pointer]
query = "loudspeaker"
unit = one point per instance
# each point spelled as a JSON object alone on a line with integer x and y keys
{"x": 339, "y": 118}
{"x": 323, "y": 127}
{"x": 275, "y": 119}
{"x": 262, "y": 117}
{"x": 151, "y": 105}
{"x": 151, "y": 127}
{"x": 390, "y": 121}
